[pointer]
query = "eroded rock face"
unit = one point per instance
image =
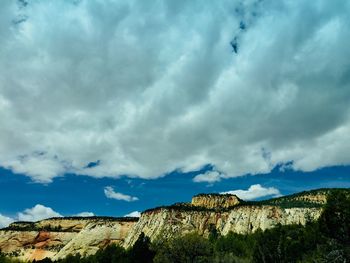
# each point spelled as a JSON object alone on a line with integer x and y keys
{"x": 30, "y": 245}
{"x": 62, "y": 236}
{"x": 65, "y": 224}
{"x": 215, "y": 201}
{"x": 248, "y": 219}
{"x": 167, "y": 223}
{"x": 95, "y": 236}
{"x": 57, "y": 237}
{"x": 314, "y": 198}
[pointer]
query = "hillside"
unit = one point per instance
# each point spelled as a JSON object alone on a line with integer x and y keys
{"x": 57, "y": 237}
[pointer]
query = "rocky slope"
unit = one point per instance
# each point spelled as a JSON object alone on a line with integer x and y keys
{"x": 96, "y": 235}
{"x": 169, "y": 222}
{"x": 30, "y": 245}
{"x": 58, "y": 237}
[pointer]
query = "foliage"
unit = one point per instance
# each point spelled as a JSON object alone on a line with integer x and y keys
{"x": 324, "y": 241}
{"x": 235, "y": 244}
{"x": 141, "y": 251}
{"x": 191, "y": 248}
{"x": 335, "y": 220}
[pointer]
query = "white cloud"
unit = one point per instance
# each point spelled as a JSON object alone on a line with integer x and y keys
{"x": 36, "y": 213}
{"x": 137, "y": 87}
{"x": 110, "y": 193}
{"x": 85, "y": 214}
{"x": 208, "y": 177}
{"x": 5, "y": 221}
{"x": 133, "y": 214}
{"x": 255, "y": 191}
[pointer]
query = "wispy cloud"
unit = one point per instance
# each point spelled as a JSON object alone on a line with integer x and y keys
{"x": 255, "y": 191}
{"x": 208, "y": 177}
{"x": 110, "y": 193}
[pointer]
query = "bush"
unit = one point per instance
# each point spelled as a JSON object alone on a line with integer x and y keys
{"x": 335, "y": 220}
{"x": 189, "y": 248}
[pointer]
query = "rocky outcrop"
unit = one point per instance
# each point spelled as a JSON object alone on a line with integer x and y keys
{"x": 94, "y": 236}
{"x": 66, "y": 224}
{"x": 169, "y": 222}
{"x": 314, "y": 198}
{"x": 58, "y": 237}
{"x": 215, "y": 201}
{"x": 60, "y": 224}
{"x": 30, "y": 245}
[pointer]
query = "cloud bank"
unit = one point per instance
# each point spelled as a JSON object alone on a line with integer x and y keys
{"x": 141, "y": 89}
{"x": 5, "y": 221}
{"x": 255, "y": 191}
{"x": 36, "y": 213}
{"x": 110, "y": 193}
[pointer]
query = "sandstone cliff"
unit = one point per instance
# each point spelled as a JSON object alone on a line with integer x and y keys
{"x": 96, "y": 235}
{"x": 30, "y": 245}
{"x": 215, "y": 201}
{"x": 58, "y": 237}
{"x": 169, "y": 222}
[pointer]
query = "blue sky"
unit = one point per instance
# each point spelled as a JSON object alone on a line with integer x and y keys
{"x": 101, "y": 101}
{"x": 71, "y": 194}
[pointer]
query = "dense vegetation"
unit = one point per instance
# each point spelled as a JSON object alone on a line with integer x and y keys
{"x": 327, "y": 240}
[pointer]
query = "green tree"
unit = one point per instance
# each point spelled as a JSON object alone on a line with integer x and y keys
{"x": 335, "y": 219}
{"x": 236, "y": 244}
{"x": 141, "y": 250}
{"x": 111, "y": 254}
{"x": 191, "y": 248}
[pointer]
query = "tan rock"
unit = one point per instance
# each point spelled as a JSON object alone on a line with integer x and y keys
{"x": 216, "y": 201}
{"x": 30, "y": 245}
{"x": 75, "y": 235}
{"x": 169, "y": 222}
{"x": 95, "y": 236}
{"x": 225, "y": 213}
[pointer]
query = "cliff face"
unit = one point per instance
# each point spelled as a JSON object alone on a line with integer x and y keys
{"x": 314, "y": 198}
{"x": 168, "y": 223}
{"x": 215, "y": 201}
{"x": 30, "y": 245}
{"x": 58, "y": 237}
{"x": 95, "y": 236}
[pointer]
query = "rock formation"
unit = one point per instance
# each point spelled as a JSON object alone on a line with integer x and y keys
{"x": 169, "y": 222}
{"x": 58, "y": 237}
{"x": 215, "y": 201}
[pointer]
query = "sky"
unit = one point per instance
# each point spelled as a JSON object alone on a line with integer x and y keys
{"x": 111, "y": 107}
